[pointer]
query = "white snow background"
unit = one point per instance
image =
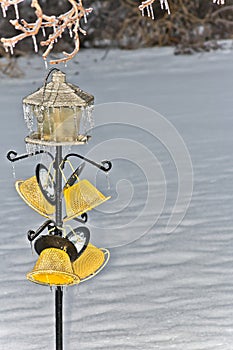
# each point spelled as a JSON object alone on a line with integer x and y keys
{"x": 163, "y": 291}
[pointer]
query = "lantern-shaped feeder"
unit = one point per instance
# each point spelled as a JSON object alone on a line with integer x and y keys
{"x": 59, "y": 113}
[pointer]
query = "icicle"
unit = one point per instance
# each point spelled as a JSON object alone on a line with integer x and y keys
{"x": 45, "y": 63}
{"x": 148, "y": 11}
{"x": 108, "y": 180}
{"x": 31, "y": 248}
{"x": 11, "y": 49}
{"x": 49, "y": 122}
{"x": 25, "y": 112}
{"x": 30, "y": 148}
{"x": 30, "y": 122}
{"x": 85, "y": 17}
{"x": 41, "y": 131}
{"x": 35, "y": 149}
{"x": 13, "y": 170}
{"x": 75, "y": 121}
{"x": 16, "y": 11}
{"x": 35, "y": 43}
{"x": 165, "y": 6}
{"x": 90, "y": 118}
{"x": 28, "y": 116}
{"x": 43, "y": 31}
{"x": 71, "y": 33}
{"x": 4, "y": 9}
{"x": 143, "y": 14}
{"x": 152, "y": 11}
{"x": 83, "y": 130}
{"x": 27, "y": 148}
{"x": 219, "y": 2}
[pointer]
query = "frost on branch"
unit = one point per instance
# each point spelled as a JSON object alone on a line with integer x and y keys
{"x": 6, "y": 3}
{"x": 219, "y": 2}
{"x": 147, "y": 6}
{"x": 54, "y": 26}
{"x": 68, "y": 21}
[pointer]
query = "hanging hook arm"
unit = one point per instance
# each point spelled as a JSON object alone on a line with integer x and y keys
{"x": 105, "y": 165}
{"x": 12, "y": 156}
{"x": 49, "y": 223}
{"x": 83, "y": 219}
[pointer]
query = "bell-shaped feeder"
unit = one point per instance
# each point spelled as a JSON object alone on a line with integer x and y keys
{"x": 59, "y": 113}
{"x": 82, "y": 197}
{"x": 30, "y": 192}
{"x": 54, "y": 265}
{"x": 91, "y": 262}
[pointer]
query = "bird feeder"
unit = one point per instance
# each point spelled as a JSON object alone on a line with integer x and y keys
{"x": 59, "y": 113}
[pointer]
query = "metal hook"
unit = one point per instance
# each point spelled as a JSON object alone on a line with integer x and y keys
{"x": 12, "y": 156}
{"x": 101, "y": 166}
{"x": 83, "y": 219}
{"x": 106, "y": 165}
{"x": 49, "y": 223}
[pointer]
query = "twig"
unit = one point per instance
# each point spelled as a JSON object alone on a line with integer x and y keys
{"x": 69, "y": 20}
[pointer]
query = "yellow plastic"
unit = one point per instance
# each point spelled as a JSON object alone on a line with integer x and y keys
{"x": 53, "y": 268}
{"x": 30, "y": 192}
{"x": 89, "y": 262}
{"x": 82, "y": 197}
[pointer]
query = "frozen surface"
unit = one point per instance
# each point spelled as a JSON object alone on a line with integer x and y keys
{"x": 164, "y": 291}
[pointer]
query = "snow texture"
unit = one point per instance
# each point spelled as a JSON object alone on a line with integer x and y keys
{"x": 164, "y": 291}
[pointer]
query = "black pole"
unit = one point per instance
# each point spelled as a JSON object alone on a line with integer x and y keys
{"x": 58, "y": 187}
{"x": 58, "y": 291}
{"x": 58, "y": 317}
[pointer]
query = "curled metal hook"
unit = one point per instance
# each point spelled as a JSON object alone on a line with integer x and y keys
{"x": 104, "y": 166}
{"x": 83, "y": 219}
{"x": 12, "y": 156}
{"x": 51, "y": 226}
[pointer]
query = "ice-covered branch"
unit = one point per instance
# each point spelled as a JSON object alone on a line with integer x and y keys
{"x": 59, "y": 24}
{"x": 219, "y": 2}
{"x": 6, "y": 3}
{"x": 147, "y": 5}
{"x": 67, "y": 21}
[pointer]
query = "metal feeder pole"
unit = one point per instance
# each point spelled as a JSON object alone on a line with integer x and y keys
{"x": 58, "y": 219}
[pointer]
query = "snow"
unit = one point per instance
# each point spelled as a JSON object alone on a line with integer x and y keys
{"x": 159, "y": 291}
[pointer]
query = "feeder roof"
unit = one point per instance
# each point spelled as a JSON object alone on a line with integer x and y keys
{"x": 59, "y": 93}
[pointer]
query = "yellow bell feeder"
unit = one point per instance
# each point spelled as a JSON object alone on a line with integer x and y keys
{"x": 30, "y": 192}
{"x": 53, "y": 266}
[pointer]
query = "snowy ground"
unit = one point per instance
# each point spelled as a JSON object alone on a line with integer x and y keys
{"x": 164, "y": 291}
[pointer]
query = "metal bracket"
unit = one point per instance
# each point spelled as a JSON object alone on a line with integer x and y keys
{"x": 12, "y": 156}
{"x": 50, "y": 224}
{"x": 105, "y": 165}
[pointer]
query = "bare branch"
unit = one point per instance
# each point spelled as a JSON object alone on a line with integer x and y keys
{"x": 6, "y": 3}
{"x": 69, "y": 20}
